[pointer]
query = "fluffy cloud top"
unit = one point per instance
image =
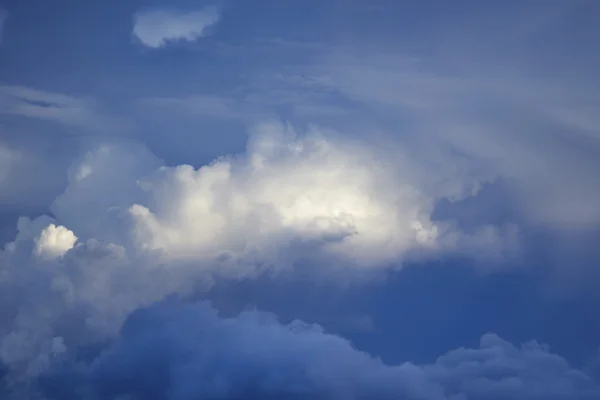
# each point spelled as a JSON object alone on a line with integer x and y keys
{"x": 315, "y": 192}
{"x": 175, "y": 351}
{"x": 54, "y": 241}
{"x": 156, "y": 28}
{"x": 326, "y": 194}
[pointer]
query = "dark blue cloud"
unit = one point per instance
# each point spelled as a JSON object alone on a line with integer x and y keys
{"x": 187, "y": 351}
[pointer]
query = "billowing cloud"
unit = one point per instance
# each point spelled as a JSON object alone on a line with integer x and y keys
{"x": 54, "y": 241}
{"x": 155, "y": 28}
{"x": 175, "y": 351}
{"x": 340, "y": 198}
{"x": 129, "y": 231}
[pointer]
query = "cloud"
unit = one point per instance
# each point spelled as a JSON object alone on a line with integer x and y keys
{"x": 288, "y": 193}
{"x": 77, "y": 112}
{"x": 20, "y": 100}
{"x": 187, "y": 351}
{"x": 54, "y": 241}
{"x": 3, "y": 17}
{"x": 129, "y": 230}
{"x": 255, "y": 102}
{"x": 159, "y": 27}
{"x": 540, "y": 136}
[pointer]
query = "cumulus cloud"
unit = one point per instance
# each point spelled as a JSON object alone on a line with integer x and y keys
{"x": 179, "y": 351}
{"x": 155, "y": 28}
{"x": 129, "y": 230}
{"x": 311, "y": 189}
{"x": 342, "y": 199}
{"x": 54, "y": 241}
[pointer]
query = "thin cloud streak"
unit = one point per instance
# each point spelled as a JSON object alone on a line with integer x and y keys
{"x": 82, "y": 114}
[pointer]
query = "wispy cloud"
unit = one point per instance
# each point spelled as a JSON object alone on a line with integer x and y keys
{"x": 58, "y": 107}
{"x": 216, "y": 106}
{"x": 261, "y": 96}
{"x": 540, "y": 134}
{"x": 156, "y": 28}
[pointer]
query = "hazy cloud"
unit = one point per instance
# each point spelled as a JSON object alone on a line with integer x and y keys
{"x": 176, "y": 351}
{"x": 155, "y": 28}
{"x": 77, "y": 112}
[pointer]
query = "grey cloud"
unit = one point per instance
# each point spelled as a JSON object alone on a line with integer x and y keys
{"x": 187, "y": 351}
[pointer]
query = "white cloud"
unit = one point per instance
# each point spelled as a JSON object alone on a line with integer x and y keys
{"x": 129, "y": 230}
{"x": 54, "y": 241}
{"x": 159, "y": 27}
{"x": 286, "y": 194}
{"x": 319, "y": 191}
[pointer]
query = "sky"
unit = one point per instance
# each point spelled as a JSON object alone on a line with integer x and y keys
{"x": 304, "y": 199}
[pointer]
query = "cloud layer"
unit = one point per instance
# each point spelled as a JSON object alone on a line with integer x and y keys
{"x": 155, "y": 28}
{"x": 175, "y": 351}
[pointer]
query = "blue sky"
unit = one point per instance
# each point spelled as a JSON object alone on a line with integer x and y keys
{"x": 417, "y": 179}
